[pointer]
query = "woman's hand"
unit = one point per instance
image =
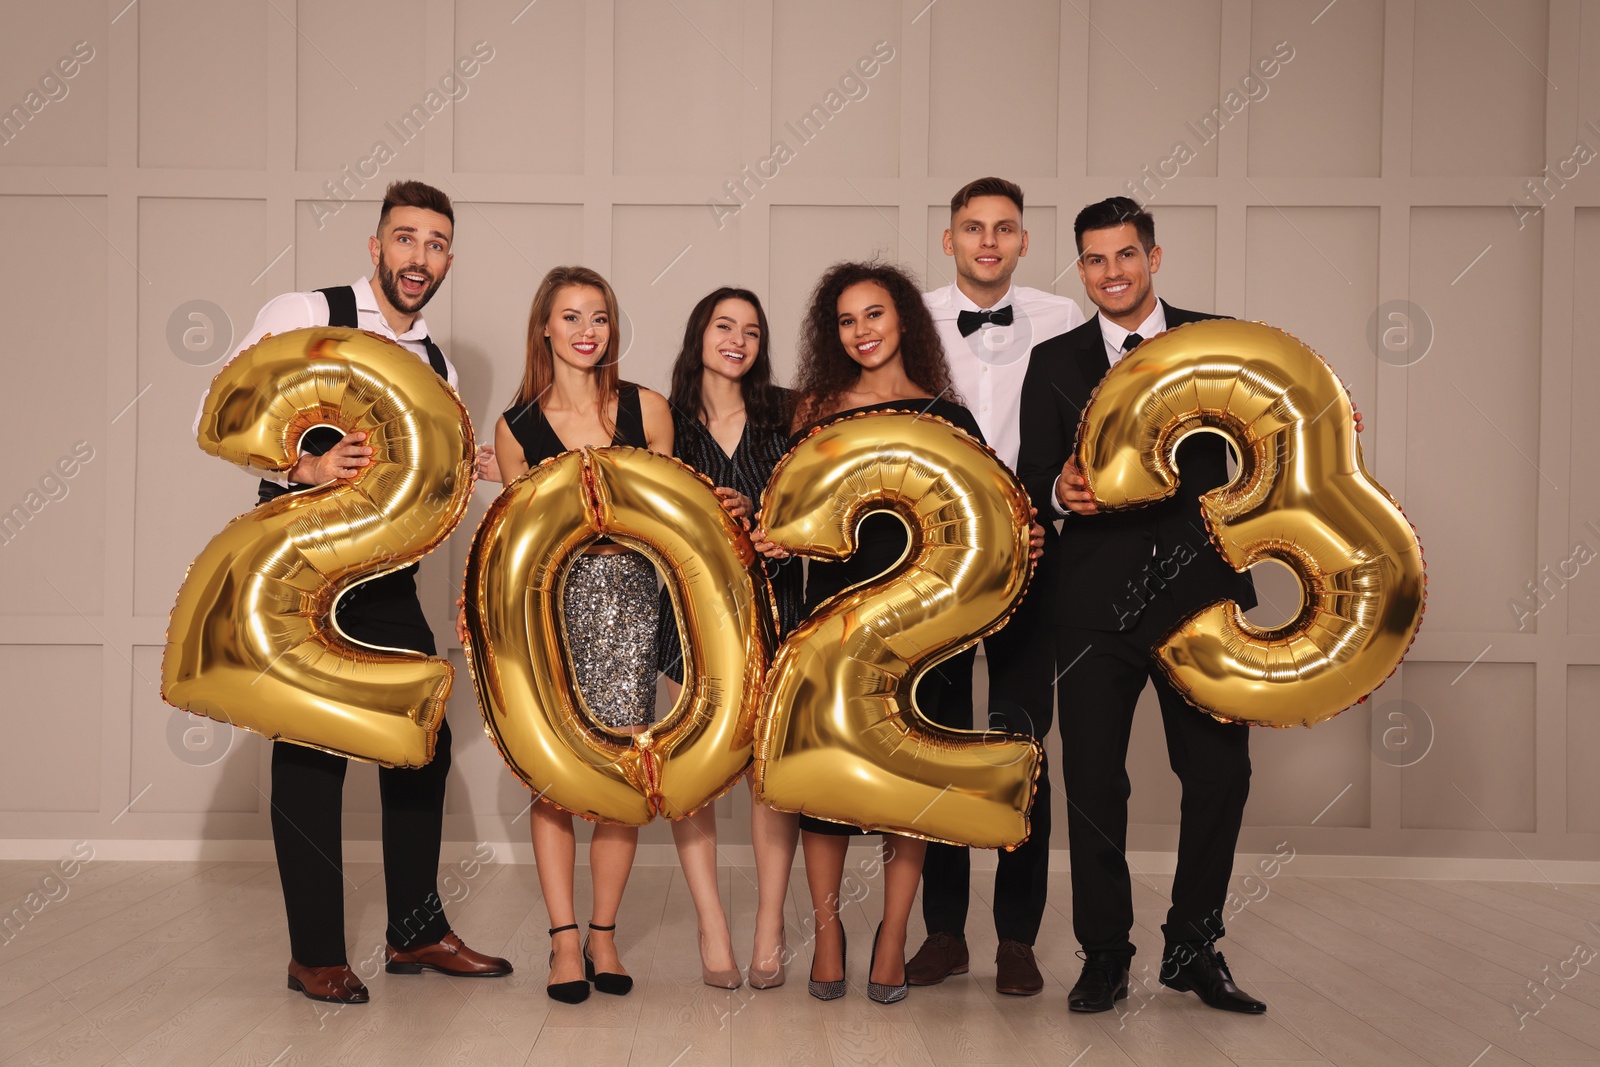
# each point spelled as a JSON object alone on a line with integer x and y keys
{"x": 734, "y": 503}
{"x": 758, "y": 541}
{"x": 488, "y": 468}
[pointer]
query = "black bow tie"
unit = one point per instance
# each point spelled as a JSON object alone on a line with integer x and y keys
{"x": 969, "y": 321}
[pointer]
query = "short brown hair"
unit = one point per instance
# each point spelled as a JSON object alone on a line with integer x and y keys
{"x": 986, "y": 187}
{"x": 415, "y": 194}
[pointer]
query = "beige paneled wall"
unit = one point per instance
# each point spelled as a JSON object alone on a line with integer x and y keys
{"x": 1318, "y": 166}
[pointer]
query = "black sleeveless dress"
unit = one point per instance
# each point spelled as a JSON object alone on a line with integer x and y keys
{"x": 881, "y": 540}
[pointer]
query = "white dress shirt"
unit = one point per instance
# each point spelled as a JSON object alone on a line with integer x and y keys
{"x": 1114, "y": 336}
{"x": 296, "y": 311}
{"x": 988, "y": 367}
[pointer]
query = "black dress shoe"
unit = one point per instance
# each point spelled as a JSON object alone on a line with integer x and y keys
{"x": 1104, "y": 981}
{"x": 1199, "y": 968}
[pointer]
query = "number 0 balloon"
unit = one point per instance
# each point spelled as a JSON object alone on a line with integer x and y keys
{"x": 1302, "y": 496}
{"x": 531, "y": 706}
{"x": 252, "y": 640}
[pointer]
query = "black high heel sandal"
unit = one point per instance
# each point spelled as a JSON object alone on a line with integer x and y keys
{"x": 618, "y": 985}
{"x": 566, "y": 992}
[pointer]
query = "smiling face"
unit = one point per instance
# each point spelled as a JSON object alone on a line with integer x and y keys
{"x": 412, "y": 254}
{"x": 579, "y": 326}
{"x": 869, "y": 325}
{"x": 732, "y": 341}
{"x": 1116, "y": 273}
{"x": 987, "y": 239}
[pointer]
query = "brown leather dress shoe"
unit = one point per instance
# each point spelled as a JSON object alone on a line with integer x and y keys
{"x": 940, "y": 956}
{"x": 1017, "y": 974}
{"x": 337, "y": 985}
{"x": 449, "y": 956}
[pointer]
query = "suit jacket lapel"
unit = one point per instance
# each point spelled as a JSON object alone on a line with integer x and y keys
{"x": 1092, "y": 356}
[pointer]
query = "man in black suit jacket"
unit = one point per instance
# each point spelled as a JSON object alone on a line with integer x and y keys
{"x": 1122, "y": 582}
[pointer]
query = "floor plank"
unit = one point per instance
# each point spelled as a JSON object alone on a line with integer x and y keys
{"x": 183, "y": 963}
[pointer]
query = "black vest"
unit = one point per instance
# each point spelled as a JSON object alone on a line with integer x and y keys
{"x": 316, "y": 441}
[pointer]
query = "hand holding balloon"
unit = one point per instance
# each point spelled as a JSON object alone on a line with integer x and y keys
{"x": 1072, "y": 490}
{"x": 760, "y": 542}
{"x": 487, "y": 467}
{"x": 734, "y": 503}
{"x": 344, "y": 460}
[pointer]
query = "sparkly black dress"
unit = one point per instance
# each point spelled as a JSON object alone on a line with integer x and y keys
{"x": 608, "y": 606}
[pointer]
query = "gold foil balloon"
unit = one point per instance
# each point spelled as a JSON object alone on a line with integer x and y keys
{"x": 252, "y": 640}
{"x": 840, "y": 738}
{"x": 1302, "y": 496}
{"x": 531, "y": 707}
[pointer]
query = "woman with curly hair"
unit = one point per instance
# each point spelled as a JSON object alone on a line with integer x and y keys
{"x": 868, "y": 344}
{"x": 731, "y": 423}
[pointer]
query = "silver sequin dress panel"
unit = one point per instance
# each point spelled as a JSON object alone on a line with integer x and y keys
{"x": 609, "y": 611}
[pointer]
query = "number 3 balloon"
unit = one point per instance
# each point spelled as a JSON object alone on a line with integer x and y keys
{"x": 252, "y": 640}
{"x": 1302, "y": 496}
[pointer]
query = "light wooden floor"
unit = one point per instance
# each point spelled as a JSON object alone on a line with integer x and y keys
{"x": 183, "y": 963}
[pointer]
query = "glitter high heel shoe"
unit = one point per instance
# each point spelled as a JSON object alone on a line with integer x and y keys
{"x": 877, "y": 991}
{"x": 829, "y": 990}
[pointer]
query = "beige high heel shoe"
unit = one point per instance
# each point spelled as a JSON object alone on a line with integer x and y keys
{"x": 763, "y": 979}
{"x": 723, "y": 979}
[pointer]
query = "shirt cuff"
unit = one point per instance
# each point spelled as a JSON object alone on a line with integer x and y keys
{"x": 1055, "y": 501}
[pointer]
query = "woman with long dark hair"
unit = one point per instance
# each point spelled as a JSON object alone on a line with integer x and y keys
{"x": 867, "y": 345}
{"x": 731, "y": 422}
{"x": 571, "y": 397}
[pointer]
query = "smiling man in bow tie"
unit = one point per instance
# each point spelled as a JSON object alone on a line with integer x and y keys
{"x": 989, "y": 326}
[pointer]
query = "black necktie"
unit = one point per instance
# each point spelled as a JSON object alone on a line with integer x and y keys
{"x": 969, "y": 321}
{"x": 1132, "y": 341}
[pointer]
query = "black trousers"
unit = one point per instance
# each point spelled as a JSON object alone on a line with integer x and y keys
{"x": 1021, "y": 659}
{"x": 307, "y": 822}
{"x": 1104, "y": 674}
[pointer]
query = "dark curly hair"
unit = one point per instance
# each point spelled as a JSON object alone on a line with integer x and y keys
{"x": 766, "y": 404}
{"x": 827, "y": 371}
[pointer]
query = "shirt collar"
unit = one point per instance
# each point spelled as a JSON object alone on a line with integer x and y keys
{"x": 1154, "y": 323}
{"x": 367, "y": 300}
{"x": 964, "y": 303}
